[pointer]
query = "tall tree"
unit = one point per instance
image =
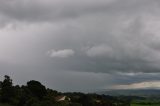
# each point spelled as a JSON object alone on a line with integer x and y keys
{"x": 7, "y": 89}
{"x": 37, "y": 88}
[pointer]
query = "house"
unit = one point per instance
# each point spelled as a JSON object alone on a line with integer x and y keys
{"x": 62, "y": 98}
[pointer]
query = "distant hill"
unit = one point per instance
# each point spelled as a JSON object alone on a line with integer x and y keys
{"x": 133, "y": 92}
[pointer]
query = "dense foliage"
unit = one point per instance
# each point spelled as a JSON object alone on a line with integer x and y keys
{"x": 36, "y": 94}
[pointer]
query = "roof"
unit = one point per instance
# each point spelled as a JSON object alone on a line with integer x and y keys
{"x": 60, "y": 98}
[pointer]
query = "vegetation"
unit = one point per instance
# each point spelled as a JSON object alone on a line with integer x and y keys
{"x": 36, "y": 94}
{"x": 146, "y": 102}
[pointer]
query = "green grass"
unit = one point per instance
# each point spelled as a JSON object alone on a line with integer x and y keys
{"x": 145, "y": 105}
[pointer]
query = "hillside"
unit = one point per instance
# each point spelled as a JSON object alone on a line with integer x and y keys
{"x": 132, "y": 92}
{"x": 36, "y": 94}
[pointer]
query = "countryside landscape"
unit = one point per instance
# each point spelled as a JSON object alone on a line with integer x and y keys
{"x": 79, "y": 52}
{"x": 36, "y": 94}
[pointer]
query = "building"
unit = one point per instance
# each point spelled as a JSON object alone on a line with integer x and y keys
{"x": 62, "y": 98}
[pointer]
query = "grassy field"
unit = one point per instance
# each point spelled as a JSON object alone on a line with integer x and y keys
{"x": 146, "y": 103}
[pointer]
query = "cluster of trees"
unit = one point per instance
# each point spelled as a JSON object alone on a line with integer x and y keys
{"x": 36, "y": 94}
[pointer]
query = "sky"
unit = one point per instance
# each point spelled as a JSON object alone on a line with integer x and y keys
{"x": 81, "y": 45}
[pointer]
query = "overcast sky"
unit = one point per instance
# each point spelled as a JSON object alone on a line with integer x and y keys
{"x": 81, "y": 45}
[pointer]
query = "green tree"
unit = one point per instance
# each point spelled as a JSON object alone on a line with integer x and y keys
{"x": 7, "y": 89}
{"x": 37, "y": 89}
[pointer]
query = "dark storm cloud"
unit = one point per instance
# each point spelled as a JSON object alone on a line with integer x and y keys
{"x": 80, "y": 40}
{"x": 39, "y": 10}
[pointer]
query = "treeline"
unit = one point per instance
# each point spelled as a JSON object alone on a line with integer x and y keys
{"x": 36, "y": 94}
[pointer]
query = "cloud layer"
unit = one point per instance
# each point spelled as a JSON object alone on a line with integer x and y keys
{"x": 104, "y": 40}
{"x": 141, "y": 85}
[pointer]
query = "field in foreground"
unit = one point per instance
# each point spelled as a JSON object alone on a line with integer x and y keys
{"x": 145, "y": 103}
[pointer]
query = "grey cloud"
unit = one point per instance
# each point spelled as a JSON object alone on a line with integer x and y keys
{"x": 101, "y": 50}
{"x": 129, "y": 47}
{"x": 49, "y": 10}
{"x": 101, "y": 39}
{"x": 60, "y": 53}
{"x": 37, "y": 11}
